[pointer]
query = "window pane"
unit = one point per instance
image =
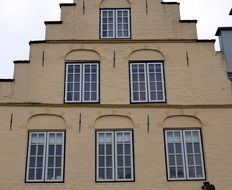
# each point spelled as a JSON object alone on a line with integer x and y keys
{"x": 58, "y": 174}
{"x": 39, "y": 174}
{"x": 120, "y": 173}
{"x": 108, "y": 149}
{"x": 31, "y": 174}
{"x": 172, "y": 172}
{"x": 172, "y": 160}
{"x": 191, "y": 172}
{"x": 58, "y": 161}
{"x": 109, "y": 173}
{"x": 51, "y": 150}
{"x": 199, "y": 171}
{"x": 108, "y": 137}
{"x": 128, "y": 173}
{"x": 109, "y": 161}
{"x": 101, "y": 149}
{"x": 135, "y": 96}
{"x": 120, "y": 149}
{"x": 101, "y": 161}
{"x": 32, "y": 162}
{"x": 50, "y": 161}
{"x": 180, "y": 172}
{"x": 127, "y": 149}
{"x": 50, "y": 174}
{"x": 33, "y": 138}
{"x": 40, "y": 162}
{"x": 190, "y": 160}
{"x": 101, "y": 173}
{"x": 120, "y": 161}
{"x": 33, "y": 150}
{"x": 127, "y": 161}
{"x": 70, "y": 68}
{"x": 119, "y": 137}
{"x": 189, "y": 148}
{"x": 170, "y": 147}
{"x": 196, "y": 147}
{"x": 178, "y": 148}
{"x": 198, "y": 159}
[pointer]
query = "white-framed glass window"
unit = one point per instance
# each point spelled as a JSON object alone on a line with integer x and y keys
{"x": 147, "y": 82}
{"x": 184, "y": 155}
{"x": 115, "y": 23}
{"x": 82, "y": 82}
{"x": 45, "y": 159}
{"x": 114, "y": 158}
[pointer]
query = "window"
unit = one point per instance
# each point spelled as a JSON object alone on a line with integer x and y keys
{"x": 147, "y": 82}
{"x": 45, "y": 158}
{"x": 114, "y": 156}
{"x": 115, "y": 23}
{"x": 184, "y": 155}
{"x": 82, "y": 82}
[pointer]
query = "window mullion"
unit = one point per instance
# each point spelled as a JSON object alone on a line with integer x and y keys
{"x": 115, "y": 35}
{"x": 185, "y": 155}
{"x": 115, "y": 156}
{"x": 163, "y": 82}
{"x": 82, "y": 82}
{"x": 46, "y": 157}
{"x": 148, "y": 82}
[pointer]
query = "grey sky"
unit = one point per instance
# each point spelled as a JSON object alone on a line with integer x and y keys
{"x": 23, "y": 20}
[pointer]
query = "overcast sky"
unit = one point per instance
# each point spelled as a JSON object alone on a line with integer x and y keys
{"x": 23, "y": 20}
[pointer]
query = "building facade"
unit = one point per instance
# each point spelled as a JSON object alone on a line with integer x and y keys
{"x": 225, "y": 39}
{"x": 120, "y": 95}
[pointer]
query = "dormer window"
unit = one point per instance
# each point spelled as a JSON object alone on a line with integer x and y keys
{"x": 115, "y": 23}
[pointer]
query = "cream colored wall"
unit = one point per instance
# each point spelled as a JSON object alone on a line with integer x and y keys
{"x": 197, "y": 89}
{"x": 161, "y": 22}
{"x": 149, "y": 155}
{"x": 204, "y": 81}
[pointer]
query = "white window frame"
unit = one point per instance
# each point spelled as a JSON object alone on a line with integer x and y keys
{"x": 162, "y": 78}
{"x": 114, "y": 157}
{"x": 147, "y": 82}
{"x": 184, "y": 155}
{"x": 45, "y": 158}
{"x": 131, "y": 82}
{"x": 82, "y": 83}
{"x": 115, "y": 24}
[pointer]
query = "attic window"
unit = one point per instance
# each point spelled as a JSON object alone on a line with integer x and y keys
{"x": 115, "y": 23}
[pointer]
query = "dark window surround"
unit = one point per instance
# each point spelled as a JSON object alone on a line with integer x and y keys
{"x": 130, "y": 25}
{"x": 99, "y": 87}
{"x": 203, "y": 154}
{"x": 165, "y": 89}
{"x": 45, "y": 131}
{"x": 133, "y": 145}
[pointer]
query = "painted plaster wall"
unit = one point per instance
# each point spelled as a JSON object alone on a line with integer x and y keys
{"x": 199, "y": 82}
{"x": 160, "y": 22}
{"x": 150, "y": 168}
{"x": 202, "y": 78}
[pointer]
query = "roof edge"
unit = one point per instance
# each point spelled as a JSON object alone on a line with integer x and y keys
{"x": 67, "y": 4}
{"x": 222, "y": 28}
{"x": 207, "y": 40}
{"x": 21, "y": 61}
{"x": 53, "y": 22}
{"x": 170, "y": 3}
{"x": 188, "y": 21}
{"x": 6, "y": 80}
{"x": 38, "y": 42}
